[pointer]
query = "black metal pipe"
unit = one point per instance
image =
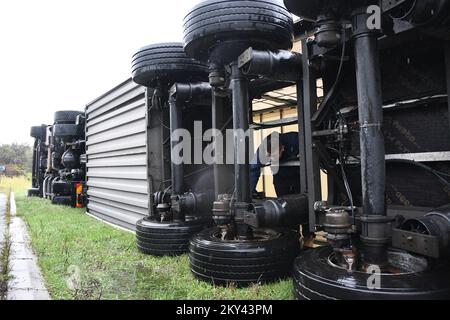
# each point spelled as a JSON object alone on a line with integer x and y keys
{"x": 196, "y": 203}
{"x": 310, "y": 181}
{"x": 288, "y": 211}
{"x": 148, "y": 120}
{"x": 371, "y": 119}
{"x": 36, "y": 168}
{"x": 215, "y": 107}
{"x": 49, "y": 154}
{"x": 218, "y": 121}
{"x": 179, "y": 95}
{"x": 177, "y": 172}
{"x": 279, "y": 65}
{"x": 373, "y": 168}
{"x": 447, "y": 68}
{"x": 239, "y": 85}
{"x": 191, "y": 93}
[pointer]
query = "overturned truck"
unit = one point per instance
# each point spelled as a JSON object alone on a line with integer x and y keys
{"x": 380, "y": 135}
{"x": 59, "y": 160}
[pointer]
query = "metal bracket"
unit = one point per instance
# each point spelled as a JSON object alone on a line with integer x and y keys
{"x": 387, "y": 5}
{"x": 417, "y": 243}
{"x": 447, "y": 68}
{"x": 251, "y": 219}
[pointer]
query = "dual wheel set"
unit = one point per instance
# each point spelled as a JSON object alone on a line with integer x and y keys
{"x": 265, "y": 258}
{"x": 217, "y": 32}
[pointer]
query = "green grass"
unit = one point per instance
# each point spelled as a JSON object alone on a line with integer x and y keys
{"x": 19, "y": 185}
{"x": 69, "y": 243}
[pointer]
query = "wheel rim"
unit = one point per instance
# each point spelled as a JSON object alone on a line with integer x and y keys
{"x": 399, "y": 264}
{"x": 259, "y": 235}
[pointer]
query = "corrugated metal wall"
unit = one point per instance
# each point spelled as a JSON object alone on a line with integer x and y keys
{"x": 117, "y": 155}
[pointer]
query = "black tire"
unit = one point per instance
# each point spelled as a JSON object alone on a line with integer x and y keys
{"x": 243, "y": 262}
{"x": 308, "y": 10}
{"x": 168, "y": 62}
{"x": 316, "y": 279}
{"x": 66, "y": 117}
{"x": 261, "y": 24}
{"x": 62, "y": 201}
{"x": 38, "y": 132}
{"x": 34, "y": 192}
{"x": 167, "y": 238}
{"x": 66, "y": 130}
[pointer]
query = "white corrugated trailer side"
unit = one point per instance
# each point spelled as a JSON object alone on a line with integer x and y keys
{"x": 116, "y": 147}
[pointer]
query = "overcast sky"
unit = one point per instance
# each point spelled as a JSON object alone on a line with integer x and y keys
{"x": 62, "y": 54}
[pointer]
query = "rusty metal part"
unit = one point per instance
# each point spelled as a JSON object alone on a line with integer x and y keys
{"x": 222, "y": 210}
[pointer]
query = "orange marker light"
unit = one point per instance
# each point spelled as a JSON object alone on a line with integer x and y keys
{"x": 79, "y": 192}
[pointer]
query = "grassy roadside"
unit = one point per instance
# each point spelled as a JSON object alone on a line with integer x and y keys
{"x": 4, "y": 267}
{"x": 5, "y": 251}
{"x": 82, "y": 258}
{"x": 19, "y": 185}
{"x": 6, "y": 186}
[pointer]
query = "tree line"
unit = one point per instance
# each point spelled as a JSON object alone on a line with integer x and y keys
{"x": 17, "y": 157}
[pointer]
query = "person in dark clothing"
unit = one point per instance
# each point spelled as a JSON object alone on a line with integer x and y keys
{"x": 276, "y": 151}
